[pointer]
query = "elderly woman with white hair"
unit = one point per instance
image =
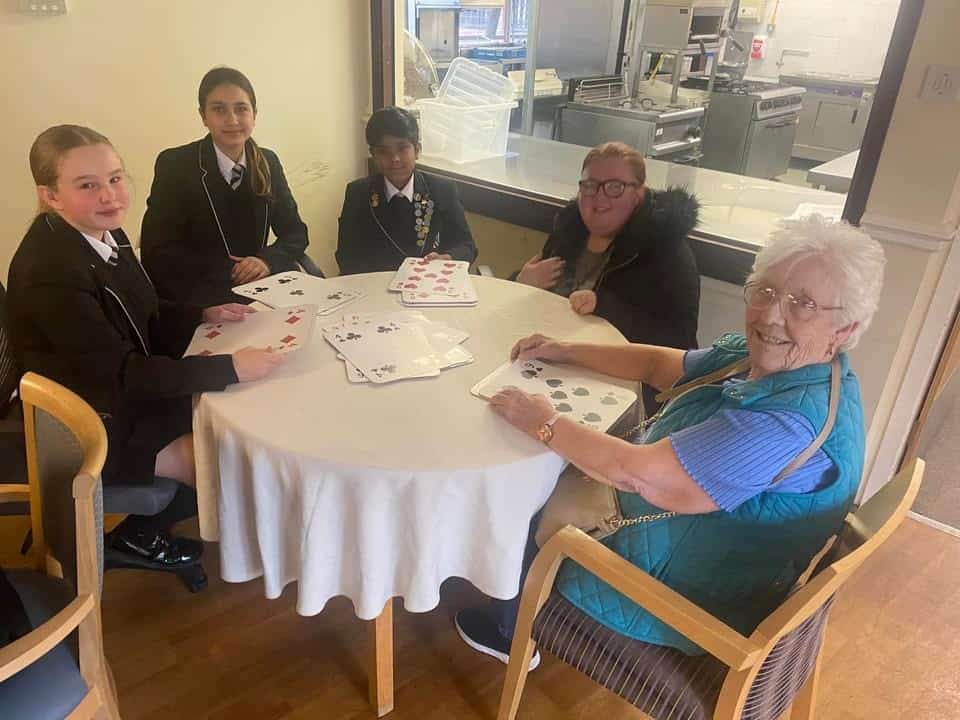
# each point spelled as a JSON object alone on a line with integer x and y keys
{"x": 748, "y": 469}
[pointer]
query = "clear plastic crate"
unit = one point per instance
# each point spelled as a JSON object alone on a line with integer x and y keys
{"x": 470, "y": 118}
{"x": 464, "y": 134}
{"x": 468, "y": 84}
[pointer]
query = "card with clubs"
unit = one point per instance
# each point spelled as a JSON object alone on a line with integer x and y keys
{"x": 283, "y": 330}
{"x": 290, "y": 289}
{"x": 573, "y": 394}
{"x": 444, "y": 277}
{"x": 449, "y": 356}
{"x": 385, "y": 351}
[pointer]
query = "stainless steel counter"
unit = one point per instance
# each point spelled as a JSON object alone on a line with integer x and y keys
{"x": 836, "y": 174}
{"x": 737, "y": 212}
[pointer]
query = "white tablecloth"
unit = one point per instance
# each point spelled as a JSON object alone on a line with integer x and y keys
{"x": 375, "y": 491}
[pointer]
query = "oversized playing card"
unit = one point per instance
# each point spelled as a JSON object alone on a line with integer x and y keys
{"x": 355, "y": 320}
{"x": 386, "y": 350}
{"x": 283, "y": 330}
{"x": 440, "y": 277}
{"x": 573, "y": 394}
{"x": 425, "y": 298}
{"x": 291, "y": 289}
{"x": 448, "y": 356}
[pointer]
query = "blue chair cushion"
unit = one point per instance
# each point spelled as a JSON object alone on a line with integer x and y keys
{"x": 51, "y": 687}
{"x": 139, "y": 499}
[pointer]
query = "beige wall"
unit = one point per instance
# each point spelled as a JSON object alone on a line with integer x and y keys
{"x": 919, "y": 168}
{"x": 130, "y": 69}
{"x": 503, "y": 247}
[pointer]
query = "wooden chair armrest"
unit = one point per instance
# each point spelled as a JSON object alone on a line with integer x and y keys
{"x": 14, "y": 492}
{"x": 88, "y": 571}
{"x": 28, "y": 649}
{"x": 695, "y": 623}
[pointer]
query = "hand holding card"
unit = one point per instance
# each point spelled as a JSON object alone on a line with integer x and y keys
{"x": 255, "y": 363}
{"x": 282, "y": 331}
{"x": 231, "y": 312}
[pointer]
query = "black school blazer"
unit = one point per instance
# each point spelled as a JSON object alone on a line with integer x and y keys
{"x": 182, "y": 244}
{"x": 362, "y": 245}
{"x": 68, "y": 323}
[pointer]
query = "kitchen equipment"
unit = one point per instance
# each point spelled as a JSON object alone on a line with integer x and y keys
{"x": 835, "y": 112}
{"x": 601, "y": 111}
{"x": 683, "y": 24}
{"x": 751, "y": 128}
{"x": 683, "y": 31}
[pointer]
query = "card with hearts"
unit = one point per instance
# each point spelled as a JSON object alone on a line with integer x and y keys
{"x": 442, "y": 277}
{"x": 424, "y": 298}
{"x": 290, "y": 289}
{"x": 575, "y": 395}
{"x": 283, "y": 330}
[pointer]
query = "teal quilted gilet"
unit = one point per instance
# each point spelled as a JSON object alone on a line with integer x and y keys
{"x": 739, "y": 565}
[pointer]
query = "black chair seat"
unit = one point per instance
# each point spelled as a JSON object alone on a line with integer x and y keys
{"x": 52, "y": 687}
{"x": 661, "y": 681}
{"x": 139, "y": 499}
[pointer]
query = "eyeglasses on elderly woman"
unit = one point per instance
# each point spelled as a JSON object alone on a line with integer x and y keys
{"x": 611, "y": 188}
{"x": 799, "y": 307}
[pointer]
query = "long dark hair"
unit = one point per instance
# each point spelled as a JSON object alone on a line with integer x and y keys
{"x": 260, "y": 170}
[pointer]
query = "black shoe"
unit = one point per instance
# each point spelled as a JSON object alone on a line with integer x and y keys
{"x": 153, "y": 550}
{"x": 480, "y": 632}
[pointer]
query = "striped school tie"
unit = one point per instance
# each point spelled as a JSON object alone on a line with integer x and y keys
{"x": 114, "y": 256}
{"x": 236, "y": 176}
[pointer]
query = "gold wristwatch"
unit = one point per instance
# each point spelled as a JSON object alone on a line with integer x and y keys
{"x": 545, "y": 431}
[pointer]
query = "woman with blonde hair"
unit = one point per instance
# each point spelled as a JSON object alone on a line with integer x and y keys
{"x": 81, "y": 311}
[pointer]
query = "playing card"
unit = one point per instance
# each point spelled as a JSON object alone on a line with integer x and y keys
{"x": 401, "y": 317}
{"x": 283, "y": 330}
{"x": 441, "y": 277}
{"x": 290, "y": 289}
{"x": 385, "y": 351}
{"x": 425, "y": 298}
{"x": 575, "y": 395}
{"x": 455, "y": 356}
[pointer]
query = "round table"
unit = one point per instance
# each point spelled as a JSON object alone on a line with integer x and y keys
{"x": 380, "y": 491}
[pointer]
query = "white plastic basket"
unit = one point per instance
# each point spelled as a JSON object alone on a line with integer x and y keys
{"x": 464, "y": 134}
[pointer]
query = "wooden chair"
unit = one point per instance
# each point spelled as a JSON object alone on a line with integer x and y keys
{"x": 52, "y": 672}
{"x": 758, "y": 677}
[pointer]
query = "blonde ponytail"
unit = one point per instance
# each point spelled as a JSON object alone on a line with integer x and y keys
{"x": 260, "y": 180}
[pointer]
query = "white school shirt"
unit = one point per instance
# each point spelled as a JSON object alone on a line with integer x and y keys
{"x": 407, "y": 191}
{"x": 103, "y": 248}
{"x": 226, "y": 164}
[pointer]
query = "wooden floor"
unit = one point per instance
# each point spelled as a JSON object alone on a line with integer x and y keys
{"x": 893, "y": 651}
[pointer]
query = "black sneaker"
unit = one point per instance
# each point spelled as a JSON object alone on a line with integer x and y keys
{"x": 480, "y": 632}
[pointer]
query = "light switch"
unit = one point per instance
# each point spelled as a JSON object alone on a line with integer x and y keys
{"x": 941, "y": 84}
{"x": 43, "y": 7}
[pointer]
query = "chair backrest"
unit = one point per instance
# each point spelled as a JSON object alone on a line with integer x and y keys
{"x": 794, "y": 632}
{"x": 64, "y": 437}
{"x": 9, "y": 372}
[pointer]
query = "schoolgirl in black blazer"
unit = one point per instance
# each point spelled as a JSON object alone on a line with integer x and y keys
{"x": 82, "y": 311}
{"x": 397, "y": 212}
{"x": 214, "y": 202}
